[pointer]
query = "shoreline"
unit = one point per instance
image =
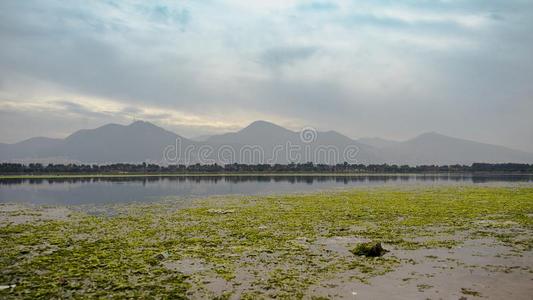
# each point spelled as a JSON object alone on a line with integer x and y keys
{"x": 281, "y": 174}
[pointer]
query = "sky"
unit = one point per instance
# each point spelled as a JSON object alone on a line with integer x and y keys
{"x": 392, "y": 69}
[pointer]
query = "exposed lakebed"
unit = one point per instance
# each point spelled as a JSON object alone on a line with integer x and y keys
{"x": 449, "y": 242}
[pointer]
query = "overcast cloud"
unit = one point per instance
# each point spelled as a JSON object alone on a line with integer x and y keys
{"x": 392, "y": 69}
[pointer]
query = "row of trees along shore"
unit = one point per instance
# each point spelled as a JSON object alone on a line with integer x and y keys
{"x": 144, "y": 168}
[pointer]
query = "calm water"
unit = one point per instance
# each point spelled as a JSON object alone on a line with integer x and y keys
{"x": 143, "y": 189}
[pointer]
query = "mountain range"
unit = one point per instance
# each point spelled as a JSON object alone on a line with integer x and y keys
{"x": 259, "y": 142}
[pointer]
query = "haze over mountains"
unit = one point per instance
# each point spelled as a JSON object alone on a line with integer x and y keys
{"x": 260, "y": 142}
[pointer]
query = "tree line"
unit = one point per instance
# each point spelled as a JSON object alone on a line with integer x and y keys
{"x": 144, "y": 168}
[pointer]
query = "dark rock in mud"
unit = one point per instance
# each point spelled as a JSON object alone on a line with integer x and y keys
{"x": 370, "y": 249}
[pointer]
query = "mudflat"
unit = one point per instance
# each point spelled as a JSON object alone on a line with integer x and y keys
{"x": 460, "y": 242}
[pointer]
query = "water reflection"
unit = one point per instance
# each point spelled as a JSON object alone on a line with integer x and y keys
{"x": 127, "y": 189}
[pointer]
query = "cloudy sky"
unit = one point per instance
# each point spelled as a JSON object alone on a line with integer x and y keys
{"x": 392, "y": 69}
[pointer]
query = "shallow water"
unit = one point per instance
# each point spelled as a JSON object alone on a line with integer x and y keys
{"x": 75, "y": 191}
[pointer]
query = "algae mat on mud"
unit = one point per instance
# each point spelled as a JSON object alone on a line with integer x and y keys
{"x": 287, "y": 246}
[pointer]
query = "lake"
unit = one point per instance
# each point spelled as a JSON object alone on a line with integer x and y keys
{"x": 76, "y": 191}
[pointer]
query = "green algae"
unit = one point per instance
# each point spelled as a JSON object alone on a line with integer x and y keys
{"x": 273, "y": 240}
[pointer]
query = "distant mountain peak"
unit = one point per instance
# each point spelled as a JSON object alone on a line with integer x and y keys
{"x": 141, "y": 123}
{"x": 431, "y": 135}
{"x": 258, "y": 132}
{"x": 260, "y": 124}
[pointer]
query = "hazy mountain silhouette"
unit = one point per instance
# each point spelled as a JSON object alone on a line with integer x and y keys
{"x": 257, "y": 133}
{"x": 37, "y": 147}
{"x": 435, "y": 148}
{"x": 146, "y": 142}
{"x": 281, "y": 145}
{"x": 140, "y": 141}
{"x": 137, "y": 142}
